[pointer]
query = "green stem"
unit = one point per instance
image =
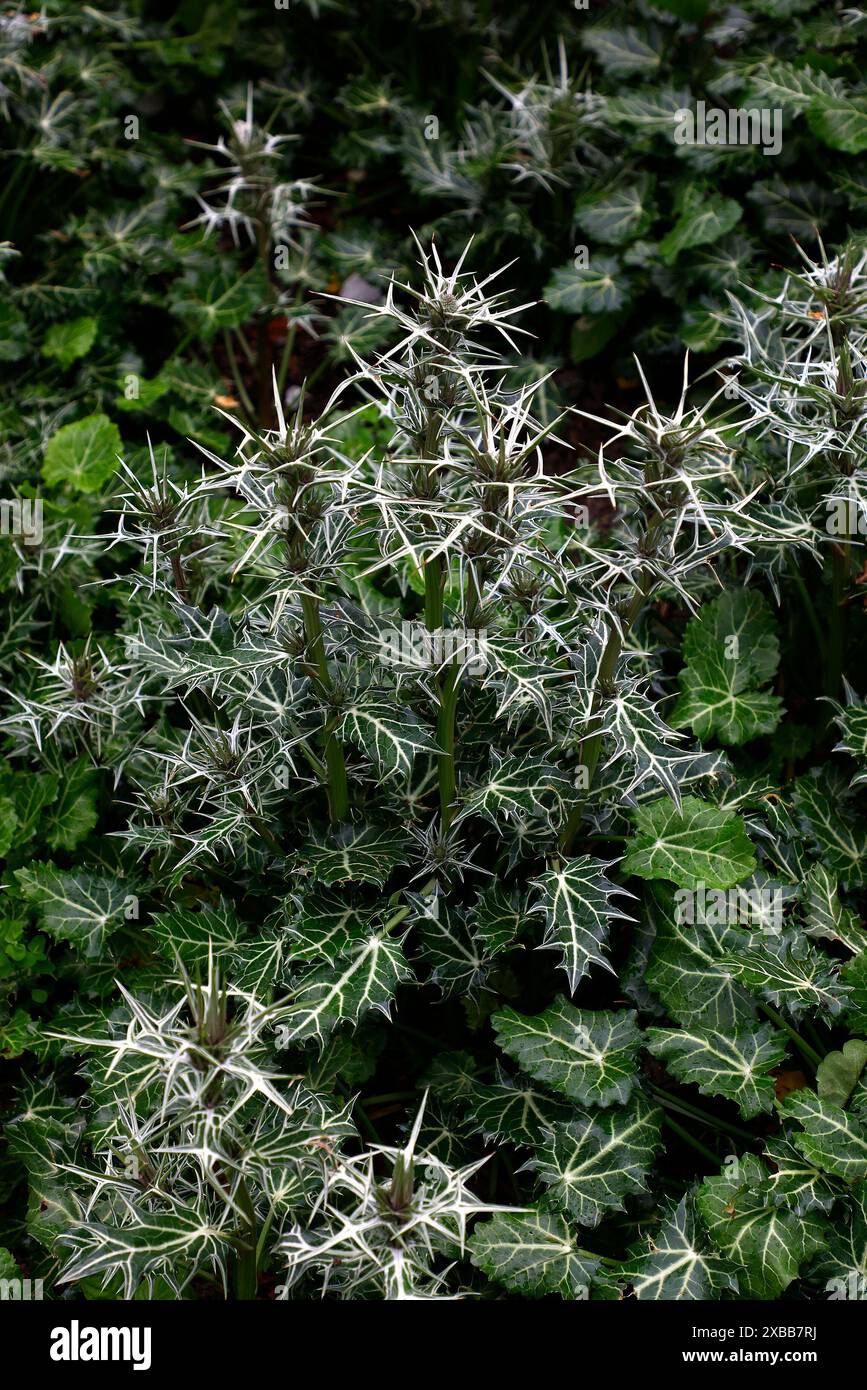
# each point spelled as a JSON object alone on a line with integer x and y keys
{"x": 592, "y": 746}
{"x": 433, "y": 594}
{"x": 809, "y": 609}
{"x": 245, "y": 347}
{"x": 264, "y": 354}
{"x": 243, "y": 394}
{"x": 813, "y": 1034}
{"x": 446, "y": 741}
{"x": 291, "y": 333}
{"x": 179, "y": 576}
{"x": 448, "y": 693}
{"x": 389, "y": 1097}
{"x": 263, "y": 1234}
{"x": 694, "y": 1112}
{"x": 810, "y": 1055}
{"x": 396, "y": 918}
{"x": 840, "y": 562}
{"x": 338, "y": 789}
{"x": 247, "y": 1269}
{"x": 694, "y": 1143}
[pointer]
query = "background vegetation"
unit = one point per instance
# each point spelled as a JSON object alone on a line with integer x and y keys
{"x": 200, "y": 203}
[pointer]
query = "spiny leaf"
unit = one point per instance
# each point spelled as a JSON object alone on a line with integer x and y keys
{"x": 687, "y": 970}
{"x": 600, "y": 287}
{"x": 323, "y": 925}
{"x": 577, "y": 904}
{"x": 356, "y": 854}
{"x": 155, "y": 1240}
{"x": 496, "y": 919}
{"x": 842, "y": 1264}
{"x": 390, "y": 737}
{"x": 516, "y": 787}
{"x": 795, "y": 1182}
{"x": 837, "y": 832}
{"x": 703, "y": 217}
{"x": 826, "y": 915}
{"x": 512, "y": 1109}
{"x": 788, "y": 971}
{"x": 366, "y": 978}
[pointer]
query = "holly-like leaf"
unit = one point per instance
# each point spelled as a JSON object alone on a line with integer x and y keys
{"x": 356, "y": 854}
{"x": 31, "y": 793}
{"x": 841, "y": 123}
{"x": 826, "y": 915}
{"x": 854, "y": 977}
{"x": 323, "y": 925}
{"x": 496, "y": 919}
{"x": 795, "y": 1182}
{"x": 73, "y": 812}
{"x": 593, "y": 1163}
{"x": 601, "y": 287}
{"x": 703, "y": 217}
{"x": 451, "y": 1076}
{"x": 789, "y": 972}
{"x": 512, "y": 1110}
{"x": 153, "y": 1240}
{"x": 621, "y": 51}
{"x": 617, "y": 214}
{"x": 532, "y": 1254}
{"x": 687, "y": 970}
{"x": 366, "y": 978}
{"x": 516, "y": 787}
{"x": 253, "y": 960}
{"x": 577, "y": 903}
{"x": 841, "y": 1268}
{"x": 588, "y": 1056}
{"x": 388, "y": 735}
{"x": 192, "y": 934}
{"x": 851, "y": 720}
{"x": 209, "y": 298}
{"x": 837, "y": 833}
{"x": 455, "y": 959}
{"x": 733, "y": 1065}
{"x": 698, "y": 844}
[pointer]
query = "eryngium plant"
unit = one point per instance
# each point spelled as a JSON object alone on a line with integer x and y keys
{"x": 414, "y": 718}
{"x": 802, "y": 373}
{"x": 208, "y": 1154}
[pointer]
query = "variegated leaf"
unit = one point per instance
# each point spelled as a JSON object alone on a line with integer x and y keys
{"x": 593, "y": 1163}
{"x": 577, "y": 902}
{"x": 591, "y": 1057}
